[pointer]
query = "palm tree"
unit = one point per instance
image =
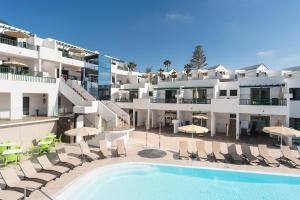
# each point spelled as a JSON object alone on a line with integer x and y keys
{"x": 167, "y": 63}
{"x": 131, "y": 66}
{"x": 148, "y": 71}
{"x": 188, "y": 69}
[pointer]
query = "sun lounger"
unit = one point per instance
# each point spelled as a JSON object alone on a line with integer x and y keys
{"x": 86, "y": 152}
{"x": 201, "y": 153}
{"x": 11, "y": 195}
{"x": 288, "y": 157}
{"x": 13, "y": 182}
{"x": 30, "y": 173}
{"x": 264, "y": 154}
{"x": 216, "y": 151}
{"x": 183, "y": 150}
{"x": 236, "y": 158}
{"x": 103, "y": 149}
{"x": 121, "y": 150}
{"x": 71, "y": 162}
{"x": 249, "y": 157}
{"x": 49, "y": 167}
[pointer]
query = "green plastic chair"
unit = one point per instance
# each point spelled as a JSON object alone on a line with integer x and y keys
{"x": 12, "y": 158}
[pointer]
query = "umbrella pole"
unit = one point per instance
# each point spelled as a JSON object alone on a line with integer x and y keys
{"x": 281, "y": 141}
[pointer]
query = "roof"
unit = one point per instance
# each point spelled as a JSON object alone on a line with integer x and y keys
{"x": 297, "y": 68}
{"x": 3, "y": 22}
{"x": 213, "y": 67}
{"x": 253, "y": 67}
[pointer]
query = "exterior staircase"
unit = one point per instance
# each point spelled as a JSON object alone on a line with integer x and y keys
{"x": 94, "y": 110}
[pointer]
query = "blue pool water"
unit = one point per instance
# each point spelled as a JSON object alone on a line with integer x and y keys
{"x": 139, "y": 181}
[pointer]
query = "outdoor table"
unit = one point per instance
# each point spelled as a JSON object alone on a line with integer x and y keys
{"x": 12, "y": 151}
{"x": 50, "y": 136}
{"x": 44, "y": 143}
{"x": 8, "y": 144}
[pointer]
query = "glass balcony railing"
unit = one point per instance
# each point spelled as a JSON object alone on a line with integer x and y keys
{"x": 17, "y": 44}
{"x": 267, "y": 102}
{"x": 67, "y": 55}
{"x": 155, "y": 100}
{"x": 25, "y": 75}
{"x": 123, "y": 100}
{"x": 196, "y": 101}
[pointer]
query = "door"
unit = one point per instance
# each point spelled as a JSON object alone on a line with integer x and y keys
{"x": 257, "y": 123}
{"x": 171, "y": 96}
{"x": 260, "y": 96}
{"x": 25, "y": 105}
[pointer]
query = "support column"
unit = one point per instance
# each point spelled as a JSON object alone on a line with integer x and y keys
{"x": 212, "y": 124}
{"x": 133, "y": 118}
{"x": 16, "y": 105}
{"x": 52, "y": 104}
{"x": 59, "y": 70}
{"x": 40, "y": 65}
{"x": 237, "y": 125}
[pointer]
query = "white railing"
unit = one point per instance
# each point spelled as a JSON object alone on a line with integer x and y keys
{"x": 119, "y": 111}
{"x": 108, "y": 115}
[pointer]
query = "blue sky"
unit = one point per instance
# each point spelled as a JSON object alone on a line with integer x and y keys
{"x": 235, "y": 33}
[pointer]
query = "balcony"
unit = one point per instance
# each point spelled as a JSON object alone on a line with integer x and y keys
{"x": 196, "y": 101}
{"x": 7, "y": 73}
{"x": 17, "y": 44}
{"x": 265, "y": 102}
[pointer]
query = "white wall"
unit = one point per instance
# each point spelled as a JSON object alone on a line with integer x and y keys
{"x": 4, "y": 105}
{"x": 36, "y": 102}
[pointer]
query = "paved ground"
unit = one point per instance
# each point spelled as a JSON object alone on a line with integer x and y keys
{"x": 137, "y": 151}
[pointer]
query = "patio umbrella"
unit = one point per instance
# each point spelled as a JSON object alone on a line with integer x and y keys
{"x": 193, "y": 129}
{"x": 14, "y": 63}
{"x": 76, "y": 50}
{"x": 201, "y": 117}
{"x": 83, "y": 131}
{"x": 16, "y": 34}
{"x": 282, "y": 131}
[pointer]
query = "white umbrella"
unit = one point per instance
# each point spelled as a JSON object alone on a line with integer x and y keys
{"x": 14, "y": 63}
{"x": 83, "y": 131}
{"x": 282, "y": 131}
{"x": 193, "y": 129}
{"x": 16, "y": 34}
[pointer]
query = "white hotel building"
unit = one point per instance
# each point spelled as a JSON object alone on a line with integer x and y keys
{"x": 47, "y": 85}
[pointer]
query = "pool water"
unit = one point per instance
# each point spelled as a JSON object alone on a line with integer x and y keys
{"x": 140, "y": 181}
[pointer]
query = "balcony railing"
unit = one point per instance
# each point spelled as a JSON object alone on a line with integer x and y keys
{"x": 270, "y": 102}
{"x": 17, "y": 44}
{"x": 67, "y": 55}
{"x": 154, "y": 100}
{"x": 196, "y": 101}
{"x": 7, "y": 73}
{"x": 123, "y": 100}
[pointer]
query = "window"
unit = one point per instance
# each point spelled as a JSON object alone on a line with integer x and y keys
{"x": 296, "y": 93}
{"x": 150, "y": 93}
{"x": 295, "y": 123}
{"x": 233, "y": 93}
{"x": 223, "y": 92}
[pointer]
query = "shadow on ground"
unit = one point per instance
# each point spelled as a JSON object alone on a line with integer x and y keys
{"x": 152, "y": 153}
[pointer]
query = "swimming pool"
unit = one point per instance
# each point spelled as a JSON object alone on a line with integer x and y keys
{"x": 141, "y": 181}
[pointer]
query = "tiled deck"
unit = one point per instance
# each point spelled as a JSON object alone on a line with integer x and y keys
{"x": 169, "y": 144}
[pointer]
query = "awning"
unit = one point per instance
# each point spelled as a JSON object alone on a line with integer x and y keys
{"x": 16, "y": 34}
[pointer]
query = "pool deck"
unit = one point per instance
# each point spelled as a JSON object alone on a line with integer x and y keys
{"x": 169, "y": 145}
